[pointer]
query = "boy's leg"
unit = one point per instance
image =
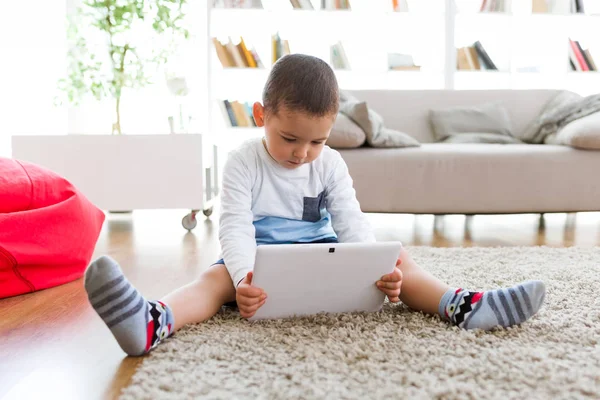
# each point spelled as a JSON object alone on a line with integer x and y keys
{"x": 468, "y": 309}
{"x": 139, "y": 324}
{"x": 201, "y": 299}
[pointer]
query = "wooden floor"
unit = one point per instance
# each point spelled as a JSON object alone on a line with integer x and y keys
{"x": 53, "y": 344}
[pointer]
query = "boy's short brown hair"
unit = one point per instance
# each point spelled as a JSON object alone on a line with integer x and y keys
{"x": 303, "y": 83}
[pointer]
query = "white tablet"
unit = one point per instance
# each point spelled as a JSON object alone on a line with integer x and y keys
{"x": 306, "y": 279}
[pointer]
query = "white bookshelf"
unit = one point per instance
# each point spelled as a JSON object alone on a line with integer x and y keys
{"x": 530, "y": 50}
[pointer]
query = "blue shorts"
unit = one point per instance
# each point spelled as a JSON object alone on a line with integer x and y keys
{"x": 222, "y": 262}
{"x": 326, "y": 240}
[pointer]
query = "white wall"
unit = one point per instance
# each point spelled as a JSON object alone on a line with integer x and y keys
{"x": 32, "y": 45}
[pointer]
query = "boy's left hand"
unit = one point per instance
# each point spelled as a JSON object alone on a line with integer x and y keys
{"x": 391, "y": 283}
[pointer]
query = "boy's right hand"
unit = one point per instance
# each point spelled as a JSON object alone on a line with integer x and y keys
{"x": 249, "y": 298}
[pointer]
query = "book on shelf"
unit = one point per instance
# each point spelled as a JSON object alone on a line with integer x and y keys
{"x": 236, "y": 55}
{"x": 560, "y": 7}
{"x": 339, "y": 59}
{"x": 279, "y": 47}
{"x": 302, "y": 4}
{"x": 474, "y": 57}
{"x": 237, "y": 4}
{"x": 493, "y": 6}
{"x": 400, "y": 5}
{"x": 580, "y": 59}
{"x": 335, "y": 5}
{"x": 237, "y": 113}
{"x": 539, "y": 6}
{"x": 401, "y": 62}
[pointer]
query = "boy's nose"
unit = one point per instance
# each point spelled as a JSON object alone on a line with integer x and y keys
{"x": 301, "y": 153}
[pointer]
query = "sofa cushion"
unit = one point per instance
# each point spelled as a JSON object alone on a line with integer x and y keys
{"x": 372, "y": 124}
{"x": 477, "y": 122}
{"x": 475, "y": 178}
{"x": 583, "y": 133}
{"x": 481, "y": 137}
{"x": 345, "y": 134}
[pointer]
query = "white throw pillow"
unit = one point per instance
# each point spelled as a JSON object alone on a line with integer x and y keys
{"x": 345, "y": 134}
{"x": 583, "y": 133}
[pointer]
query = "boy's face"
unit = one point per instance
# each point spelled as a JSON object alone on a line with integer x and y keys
{"x": 293, "y": 138}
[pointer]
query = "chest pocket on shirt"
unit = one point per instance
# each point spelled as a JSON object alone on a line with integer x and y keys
{"x": 313, "y": 207}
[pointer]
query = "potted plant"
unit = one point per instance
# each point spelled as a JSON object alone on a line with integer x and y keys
{"x": 116, "y": 44}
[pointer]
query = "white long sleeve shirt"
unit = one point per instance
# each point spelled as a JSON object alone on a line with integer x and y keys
{"x": 265, "y": 203}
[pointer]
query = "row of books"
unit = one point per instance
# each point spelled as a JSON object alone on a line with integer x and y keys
{"x": 279, "y": 47}
{"x": 580, "y": 59}
{"x": 335, "y": 4}
{"x": 297, "y": 4}
{"x": 325, "y": 4}
{"x": 302, "y": 4}
{"x": 558, "y": 6}
{"x": 400, "y": 5}
{"x": 239, "y": 56}
{"x": 474, "y": 58}
{"x": 493, "y": 6}
{"x": 236, "y": 55}
{"x": 339, "y": 59}
{"x": 237, "y": 113}
{"x": 538, "y": 6}
{"x": 237, "y": 4}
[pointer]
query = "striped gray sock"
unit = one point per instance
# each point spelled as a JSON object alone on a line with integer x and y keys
{"x": 137, "y": 324}
{"x": 485, "y": 310}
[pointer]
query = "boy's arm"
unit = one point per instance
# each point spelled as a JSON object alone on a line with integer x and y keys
{"x": 349, "y": 222}
{"x": 236, "y": 231}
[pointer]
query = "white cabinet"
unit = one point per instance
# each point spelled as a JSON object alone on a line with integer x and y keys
{"x": 130, "y": 172}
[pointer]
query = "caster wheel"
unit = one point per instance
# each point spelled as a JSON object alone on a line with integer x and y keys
{"x": 208, "y": 212}
{"x": 189, "y": 221}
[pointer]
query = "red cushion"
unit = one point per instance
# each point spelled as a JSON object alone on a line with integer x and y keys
{"x": 48, "y": 229}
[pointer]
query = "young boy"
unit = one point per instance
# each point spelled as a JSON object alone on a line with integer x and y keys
{"x": 288, "y": 187}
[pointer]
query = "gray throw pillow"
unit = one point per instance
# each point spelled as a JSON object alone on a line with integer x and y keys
{"x": 347, "y": 97}
{"x": 476, "y": 121}
{"x": 481, "y": 138}
{"x": 372, "y": 124}
{"x": 345, "y": 134}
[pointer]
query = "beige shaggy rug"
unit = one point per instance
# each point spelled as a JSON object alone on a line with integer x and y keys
{"x": 398, "y": 353}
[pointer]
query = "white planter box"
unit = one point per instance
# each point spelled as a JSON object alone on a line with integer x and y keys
{"x": 129, "y": 172}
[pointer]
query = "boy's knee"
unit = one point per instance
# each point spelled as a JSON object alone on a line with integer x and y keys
{"x": 217, "y": 278}
{"x": 216, "y": 273}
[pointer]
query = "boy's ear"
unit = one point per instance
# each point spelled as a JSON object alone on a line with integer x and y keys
{"x": 258, "y": 112}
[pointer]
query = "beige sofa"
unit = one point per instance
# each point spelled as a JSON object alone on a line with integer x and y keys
{"x": 442, "y": 178}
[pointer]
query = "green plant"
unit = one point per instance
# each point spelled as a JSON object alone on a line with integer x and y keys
{"x": 114, "y": 44}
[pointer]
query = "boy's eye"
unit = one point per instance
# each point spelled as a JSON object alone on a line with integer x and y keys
{"x": 317, "y": 143}
{"x": 288, "y": 139}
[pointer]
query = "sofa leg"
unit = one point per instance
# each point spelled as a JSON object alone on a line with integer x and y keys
{"x": 438, "y": 223}
{"x": 468, "y": 226}
{"x": 542, "y": 223}
{"x": 569, "y": 230}
{"x": 469, "y": 221}
{"x": 417, "y": 240}
{"x": 571, "y": 220}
